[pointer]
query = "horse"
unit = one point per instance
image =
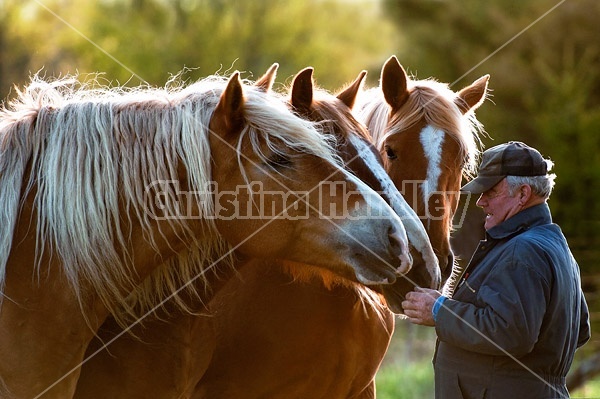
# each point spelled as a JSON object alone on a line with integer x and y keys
{"x": 282, "y": 315}
{"x": 302, "y": 337}
{"x": 103, "y": 188}
{"x": 428, "y": 137}
{"x": 299, "y": 338}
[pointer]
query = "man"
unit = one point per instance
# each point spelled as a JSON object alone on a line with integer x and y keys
{"x": 517, "y": 315}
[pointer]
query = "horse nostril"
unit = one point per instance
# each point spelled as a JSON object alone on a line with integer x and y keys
{"x": 395, "y": 243}
{"x": 399, "y": 250}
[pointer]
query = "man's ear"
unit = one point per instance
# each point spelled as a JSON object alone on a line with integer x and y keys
{"x": 525, "y": 194}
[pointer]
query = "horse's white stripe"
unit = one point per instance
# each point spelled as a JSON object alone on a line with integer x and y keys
{"x": 432, "y": 140}
{"x": 417, "y": 236}
{"x": 367, "y": 155}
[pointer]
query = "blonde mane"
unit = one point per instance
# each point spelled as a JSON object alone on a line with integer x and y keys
{"x": 92, "y": 153}
{"x": 429, "y": 100}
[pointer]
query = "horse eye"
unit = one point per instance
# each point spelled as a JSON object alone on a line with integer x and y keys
{"x": 390, "y": 153}
{"x": 279, "y": 161}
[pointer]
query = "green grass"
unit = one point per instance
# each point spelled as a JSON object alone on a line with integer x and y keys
{"x": 591, "y": 390}
{"x": 415, "y": 381}
{"x": 410, "y": 381}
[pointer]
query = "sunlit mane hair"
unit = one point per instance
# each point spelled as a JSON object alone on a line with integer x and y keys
{"x": 433, "y": 101}
{"x": 333, "y": 112}
{"x": 93, "y": 153}
{"x": 367, "y": 299}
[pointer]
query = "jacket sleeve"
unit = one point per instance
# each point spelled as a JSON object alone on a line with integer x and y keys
{"x": 584, "y": 326}
{"x": 505, "y": 316}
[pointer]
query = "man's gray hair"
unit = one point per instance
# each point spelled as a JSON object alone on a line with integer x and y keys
{"x": 540, "y": 185}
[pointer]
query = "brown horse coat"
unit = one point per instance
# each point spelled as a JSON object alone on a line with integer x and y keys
{"x": 272, "y": 331}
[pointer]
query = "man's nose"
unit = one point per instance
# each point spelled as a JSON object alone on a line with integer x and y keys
{"x": 480, "y": 200}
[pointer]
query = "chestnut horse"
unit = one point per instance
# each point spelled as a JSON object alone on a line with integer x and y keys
{"x": 292, "y": 337}
{"x": 99, "y": 188}
{"x": 289, "y": 337}
{"x": 278, "y": 330}
{"x": 428, "y": 137}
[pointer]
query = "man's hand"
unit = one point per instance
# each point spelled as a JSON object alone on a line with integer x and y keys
{"x": 418, "y": 304}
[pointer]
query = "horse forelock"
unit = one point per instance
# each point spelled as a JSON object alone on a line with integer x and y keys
{"x": 271, "y": 123}
{"x": 439, "y": 109}
{"x": 374, "y": 112}
{"x": 332, "y": 110}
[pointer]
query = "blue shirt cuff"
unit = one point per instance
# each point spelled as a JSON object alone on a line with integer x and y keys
{"x": 437, "y": 305}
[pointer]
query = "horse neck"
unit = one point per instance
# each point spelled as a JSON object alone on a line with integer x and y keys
{"x": 366, "y": 299}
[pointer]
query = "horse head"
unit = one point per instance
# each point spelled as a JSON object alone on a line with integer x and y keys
{"x": 353, "y": 145}
{"x": 283, "y": 194}
{"x": 427, "y": 136}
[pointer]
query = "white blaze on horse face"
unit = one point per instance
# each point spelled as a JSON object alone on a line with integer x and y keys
{"x": 432, "y": 140}
{"x": 400, "y": 235}
{"x": 415, "y": 232}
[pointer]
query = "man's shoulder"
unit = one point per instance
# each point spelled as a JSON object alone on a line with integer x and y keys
{"x": 544, "y": 237}
{"x": 540, "y": 248}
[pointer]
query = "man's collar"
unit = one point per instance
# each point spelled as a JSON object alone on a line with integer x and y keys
{"x": 533, "y": 216}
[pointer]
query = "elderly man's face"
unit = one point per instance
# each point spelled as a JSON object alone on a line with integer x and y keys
{"x": 498, "y": 205}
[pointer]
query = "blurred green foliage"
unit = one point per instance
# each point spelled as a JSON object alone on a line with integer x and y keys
{"x": 144, "y": 41}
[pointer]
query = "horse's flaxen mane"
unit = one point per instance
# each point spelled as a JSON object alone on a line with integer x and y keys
{"x": 93, "y": 154}
{"x": 433, "y": 101}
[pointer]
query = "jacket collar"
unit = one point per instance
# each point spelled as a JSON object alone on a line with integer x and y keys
{"x": 534, "y": 216}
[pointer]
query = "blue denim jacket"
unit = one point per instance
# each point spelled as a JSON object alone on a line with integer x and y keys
{"x": 518, "y": 314}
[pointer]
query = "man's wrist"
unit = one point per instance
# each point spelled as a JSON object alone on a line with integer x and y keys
{"x": 437, "y": 305}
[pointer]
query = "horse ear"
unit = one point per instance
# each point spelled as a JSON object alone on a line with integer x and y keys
{"x": 302, "y": 90}
{"x": 348, "y": 95}
{"x": 394, "y": 83}
{"x": 265, "y": 83}
{"x": 228, "y": 116}
{"x": 472, "y": 96}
